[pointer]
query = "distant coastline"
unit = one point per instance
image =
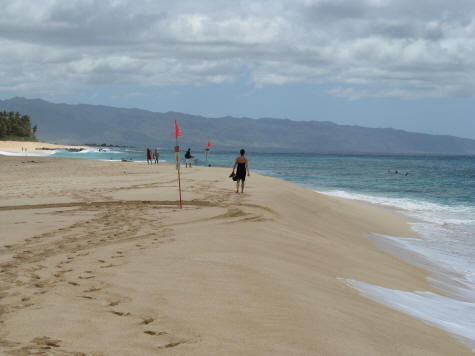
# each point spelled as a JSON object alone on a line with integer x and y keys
{"x": 65, "y": 123}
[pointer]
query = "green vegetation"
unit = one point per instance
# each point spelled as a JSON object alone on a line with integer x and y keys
{"x": 14, "y": 126}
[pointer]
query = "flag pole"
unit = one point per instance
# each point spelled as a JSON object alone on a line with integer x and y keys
{"x": 177, "y": 158}
{"x": 178, "y": 166}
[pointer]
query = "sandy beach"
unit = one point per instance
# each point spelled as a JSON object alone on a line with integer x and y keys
{"x": 96, "y": 258}
{"x": 36, "y": 148}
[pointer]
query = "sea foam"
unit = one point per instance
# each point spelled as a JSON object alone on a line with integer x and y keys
{"x": 445, "y": 248}
{"x": 27, "y": 154}
{"x": 454, "y": 316}
{"x": 418, "y": 209}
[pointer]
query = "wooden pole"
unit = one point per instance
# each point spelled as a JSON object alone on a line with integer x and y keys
{"x": 179, "y": 188}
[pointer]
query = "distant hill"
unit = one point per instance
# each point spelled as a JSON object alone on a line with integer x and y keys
{"x": 79, "y": 124}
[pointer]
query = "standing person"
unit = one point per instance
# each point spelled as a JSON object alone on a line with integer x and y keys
{"x": 149, "y": 156}
{"x": 155, "y": 156}
{"x": 242, "y": 167}
{"x": 188, "y": 157}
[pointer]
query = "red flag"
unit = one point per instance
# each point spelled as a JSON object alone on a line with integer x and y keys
{"x": 177, "y": 130}
{"x": 209, "y": 144}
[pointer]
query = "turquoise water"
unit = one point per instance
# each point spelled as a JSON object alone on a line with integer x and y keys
{"x": 438, "y": 179}
{"x": 438, "y": 192}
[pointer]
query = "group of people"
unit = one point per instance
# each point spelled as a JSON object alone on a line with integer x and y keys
{"x": 153, "y": 156}
{"x": 397, "y": 172}
{"x": 240, "y": 168}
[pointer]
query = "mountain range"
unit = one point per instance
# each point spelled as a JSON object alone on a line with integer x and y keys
{"x": 79, "y": 124}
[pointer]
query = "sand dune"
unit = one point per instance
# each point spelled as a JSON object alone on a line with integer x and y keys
{"x": 96, "y": 258}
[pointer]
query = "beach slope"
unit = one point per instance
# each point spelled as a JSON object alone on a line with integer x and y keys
{"x": 96, "y": 258}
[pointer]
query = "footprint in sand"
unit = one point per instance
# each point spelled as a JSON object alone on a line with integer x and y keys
{"x": 147, "y": 321}
{"x": 167, "y": 340}
{"x": 92, "y": 289}
{"x": 119, "y": 254}
{"x": 108, "y": 266}
{"x": 46, "y": 341}
{"x": 120, "y": 313}
{"x": 172, "y": 344}
{"x": 86, "y": 277}
{"x": 151, "y": 332}
{"x": 86, "y": 297}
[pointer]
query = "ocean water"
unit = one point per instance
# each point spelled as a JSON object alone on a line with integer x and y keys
{"x": 437, "y": 193}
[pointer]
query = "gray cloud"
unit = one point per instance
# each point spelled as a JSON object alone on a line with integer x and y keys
{"x": 356, "y": 48}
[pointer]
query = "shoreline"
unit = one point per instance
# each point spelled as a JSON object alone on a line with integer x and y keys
{"x": 263, "y": 267}
{"x": 404, "y": 253}
{"x": 452, "y": 304}
{"x": 33, "y": 149}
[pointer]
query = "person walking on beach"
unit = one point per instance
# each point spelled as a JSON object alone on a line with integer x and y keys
{"x": 149, "y": 156}
{"x": 155, "y": 156}
{"x": 242, "y": 168}
{"x": 188, "y": 157}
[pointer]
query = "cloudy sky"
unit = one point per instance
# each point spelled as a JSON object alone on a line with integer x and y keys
{"x": 406, "y": 64}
